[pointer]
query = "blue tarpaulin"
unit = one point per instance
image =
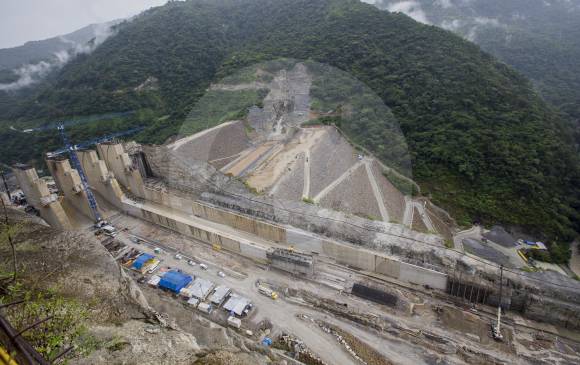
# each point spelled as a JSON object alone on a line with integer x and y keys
{"x": 141, "y": 260}
{"x": 267, "y": 341}
{"x": 174, "y": 281}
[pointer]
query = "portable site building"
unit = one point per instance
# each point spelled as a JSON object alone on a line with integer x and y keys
{"x": 201, "y": 288}
{"x": 237, "y": 305}
{"x": 193, "y": 302}
{"x": 174, "y": 281}
{"x": 219, "y": 295}
{"x": 154, "y": 281}
{"x": 205, "y": 307}
{"x": 143, "y": 262}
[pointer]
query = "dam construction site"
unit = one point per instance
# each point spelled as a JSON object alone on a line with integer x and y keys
{"x": 278, "y": 226}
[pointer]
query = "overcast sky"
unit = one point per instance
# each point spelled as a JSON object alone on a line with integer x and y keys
{"x": 28, "y": 20}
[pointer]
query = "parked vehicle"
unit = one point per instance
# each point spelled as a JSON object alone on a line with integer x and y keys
{"x": 205, "y": 307}
{"x": 110, "y": 230}
{"x": 153, "y": 268}
{"x": 264, "y": 290}
{"x": 221, "y": 274}
{"x": 203, "y": 266}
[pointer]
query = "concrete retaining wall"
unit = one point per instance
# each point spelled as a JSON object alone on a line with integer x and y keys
{"x": 375, "y": 262}
{"x": 421, "y": 276}
{"x": 248, "y": 249}
{"x": 353, "y": 256}
{"x": 169, "y": 200}
{"x": 387, "y": 266}
{"x": 303, "y": 242}
{"x": 261, "y": 229}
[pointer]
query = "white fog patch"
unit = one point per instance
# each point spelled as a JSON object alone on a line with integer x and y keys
{"x": 411, "y": 8}
{"x": 477, "y": 24}
{"x": 452, "y": 25}
{"x": 31, "y": 73}
{"x": 27, "y": 75}
{"x": 487, "y": 21}
{"x": 445, "y": 4}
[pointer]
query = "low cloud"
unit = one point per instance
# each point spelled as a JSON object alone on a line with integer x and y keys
{"x": 411, "y": 8}
{"x": 445, "y": 4}
{"x": 30, "y": 74}
{"x": 452, "y": 25}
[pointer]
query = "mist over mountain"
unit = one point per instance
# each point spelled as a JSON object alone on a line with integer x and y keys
{"x": 28, "y": 64}
{"x": 484, "y": 145}
{"x": 539, "y": 38}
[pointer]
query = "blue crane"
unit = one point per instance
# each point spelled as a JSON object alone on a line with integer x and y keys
{"x": 72, "y": 122}
{"x": 76, "y": 164}
{"x": 71, "y": 149}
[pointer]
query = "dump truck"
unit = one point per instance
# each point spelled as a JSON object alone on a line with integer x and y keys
{"x": 264, "y": 290}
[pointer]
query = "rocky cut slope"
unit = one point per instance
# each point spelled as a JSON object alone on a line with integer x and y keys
{"x": 97, "y": 307}
{"x": 483, "y": 144}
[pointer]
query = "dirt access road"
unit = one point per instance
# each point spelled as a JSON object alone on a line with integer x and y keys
{"x": 242, "y": 275}
{"x": 280, "y": 312}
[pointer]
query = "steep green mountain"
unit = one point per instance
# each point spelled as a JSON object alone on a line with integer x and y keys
{"x": 539, "y": 38}
{"x": 483, "y": 143}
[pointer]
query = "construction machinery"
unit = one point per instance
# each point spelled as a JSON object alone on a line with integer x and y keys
{"x": 71, "y": 149}
{"x": 264, "y": 290}
{"x": 496, "y": 329}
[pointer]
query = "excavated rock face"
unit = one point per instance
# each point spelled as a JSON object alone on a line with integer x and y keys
{"x": 77, "y": 266}
{"x": 189, "y": 176}
{"x": 230, "y": 358}
{"x": 124, "y": 325}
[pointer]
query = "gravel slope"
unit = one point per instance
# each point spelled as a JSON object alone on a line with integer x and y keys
{"x": 354, "y": 195}
{"x": 329, "y": 159}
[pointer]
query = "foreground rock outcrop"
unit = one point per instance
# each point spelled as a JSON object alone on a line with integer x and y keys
{"x": 121, "y": 327}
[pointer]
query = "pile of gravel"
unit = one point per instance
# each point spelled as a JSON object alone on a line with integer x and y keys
{"x": 499, "y": 235}
{"x": 484, "y": 251}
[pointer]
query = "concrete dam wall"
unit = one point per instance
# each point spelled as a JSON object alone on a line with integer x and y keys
{"x": 261, "y": 229}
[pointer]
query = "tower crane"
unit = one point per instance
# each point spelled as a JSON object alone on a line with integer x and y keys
{"x": 71, "y": 149}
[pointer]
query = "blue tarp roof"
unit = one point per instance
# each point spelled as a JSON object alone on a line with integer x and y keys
{"x": 141, "y": 260}
{"x": 175, "y": 281}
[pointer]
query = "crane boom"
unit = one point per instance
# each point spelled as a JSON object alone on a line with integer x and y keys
{"x": 76, "y": 164}
{"x": 71, "y": 149}
{"x": 96, "y": 141}
{"x": 72, "y": 122}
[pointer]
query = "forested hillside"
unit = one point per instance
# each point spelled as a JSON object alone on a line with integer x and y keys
{"x": 539, "y": 38}
{"x": 484, "y": 145}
